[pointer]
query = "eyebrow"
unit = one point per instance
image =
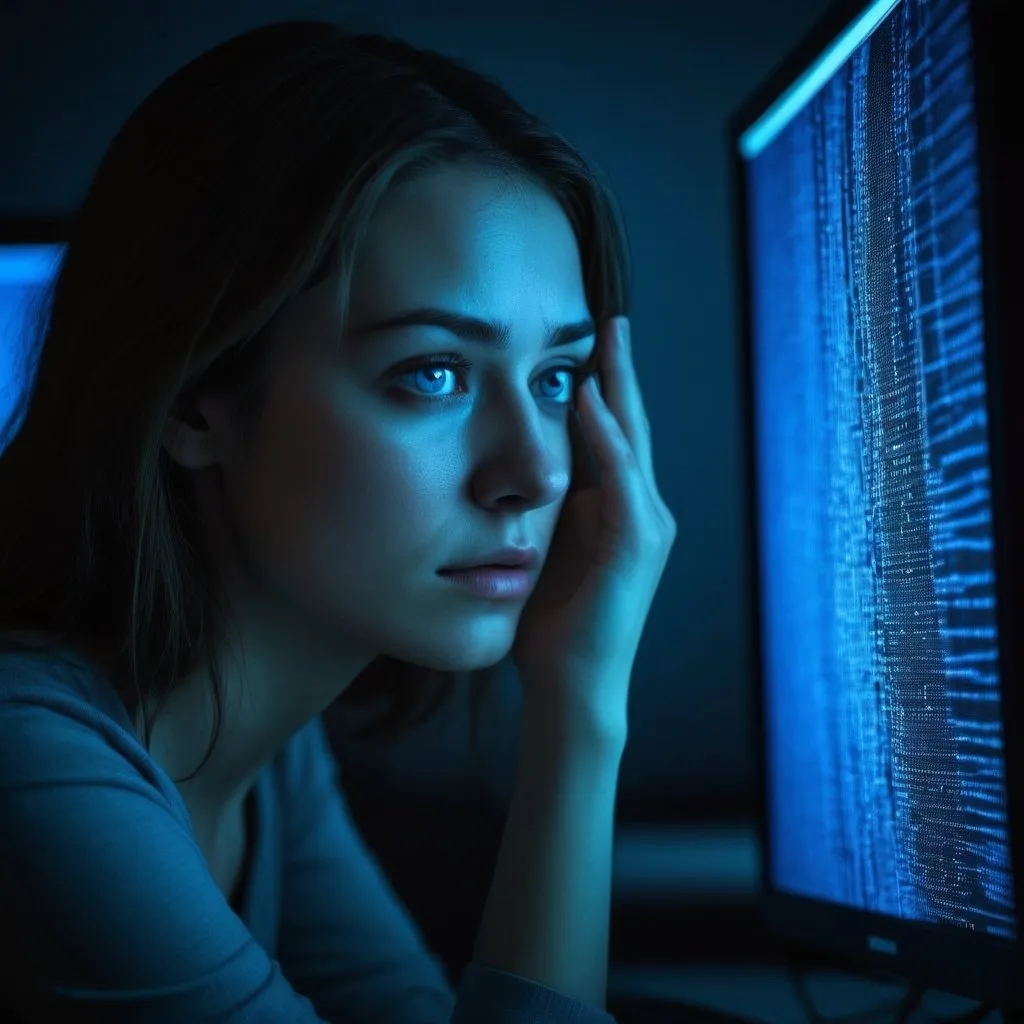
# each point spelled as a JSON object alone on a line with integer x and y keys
{"x": 474, "y": 329}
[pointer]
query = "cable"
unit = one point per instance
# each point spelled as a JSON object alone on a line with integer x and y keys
{"x": 972, "y": 1016}
{"x": 910, "y": 1002}
{"x": 799, "y": 982}
{"x": 902, "y": 1010}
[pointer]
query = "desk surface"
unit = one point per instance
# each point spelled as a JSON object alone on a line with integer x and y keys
{"x": 717, "y": 867}
{"x": 767, "y": 994}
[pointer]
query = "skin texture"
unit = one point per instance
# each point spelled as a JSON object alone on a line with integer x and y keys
{"x": 360, "y": 481}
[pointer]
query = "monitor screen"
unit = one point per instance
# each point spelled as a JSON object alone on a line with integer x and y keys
{"x": 886, "y": 788}
{"x": 25, "y": 272}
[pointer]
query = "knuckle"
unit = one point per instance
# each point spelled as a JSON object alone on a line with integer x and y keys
{"x": 669, "y": 528}
{"x": 653, "y": 531}
{"x": 628, "y": 455}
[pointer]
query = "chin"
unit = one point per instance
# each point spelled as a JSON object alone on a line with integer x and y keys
{"x": 466, "y": 661}
{"x": 459, "y": 648}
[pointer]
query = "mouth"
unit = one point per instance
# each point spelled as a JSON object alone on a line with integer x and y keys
{"x": 492, "y": 581}
{"x": 504, "y": 558}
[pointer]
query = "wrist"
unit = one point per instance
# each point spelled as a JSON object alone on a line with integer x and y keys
{"x": 556, "y": 724}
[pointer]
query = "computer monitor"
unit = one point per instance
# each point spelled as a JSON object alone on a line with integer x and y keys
{"x": 30, "y": 254}
{"x": 879, "y": 179}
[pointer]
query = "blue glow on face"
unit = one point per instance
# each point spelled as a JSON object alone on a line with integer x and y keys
{"x": 885, "y": 751}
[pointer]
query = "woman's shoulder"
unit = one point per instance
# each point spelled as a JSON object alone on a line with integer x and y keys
{"x": 108, "y": 900}
{"x": 59, "y": 717}
{"x": 35, "y": 673}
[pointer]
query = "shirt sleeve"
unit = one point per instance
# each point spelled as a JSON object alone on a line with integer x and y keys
{"x": 107, "y": 910}
{"x": 348, "y": 943}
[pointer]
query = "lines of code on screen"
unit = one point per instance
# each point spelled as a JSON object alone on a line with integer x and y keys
{"x": 882, "y": 688}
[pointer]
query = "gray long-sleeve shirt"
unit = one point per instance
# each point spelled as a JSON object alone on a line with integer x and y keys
{"x": 108, "y": 911}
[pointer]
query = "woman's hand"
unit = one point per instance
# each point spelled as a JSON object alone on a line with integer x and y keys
{"x": 580, "y": 629}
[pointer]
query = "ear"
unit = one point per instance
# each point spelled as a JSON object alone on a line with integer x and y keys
{"x": 195, "y": 433}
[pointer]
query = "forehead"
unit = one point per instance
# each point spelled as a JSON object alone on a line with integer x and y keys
{"x": 475, "y": 241}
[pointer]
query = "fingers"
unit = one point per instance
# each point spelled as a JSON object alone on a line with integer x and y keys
{"x": 636, "y": 505}
{"x": 617, "y": 427}
{"x": 608, "y": 442}
{"x": 622, "y": 392}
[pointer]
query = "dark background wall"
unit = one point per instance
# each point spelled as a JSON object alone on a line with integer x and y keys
{"x": 644, "y": 87}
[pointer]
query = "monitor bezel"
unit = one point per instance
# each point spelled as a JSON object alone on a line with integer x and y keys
{"x": 939, "y": 957}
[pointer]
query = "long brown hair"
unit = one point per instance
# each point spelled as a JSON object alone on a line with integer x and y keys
{"x": 239, "y": 182}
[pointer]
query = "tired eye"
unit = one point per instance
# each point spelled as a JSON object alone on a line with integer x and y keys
{"x": 559, "y": 384}
{"x": 435, "y": 377}
{"x": 444, "y": 377}
{"x": 433, "y": 380}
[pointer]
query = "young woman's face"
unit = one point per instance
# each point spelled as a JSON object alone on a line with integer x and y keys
{"x": 404, "y": 450}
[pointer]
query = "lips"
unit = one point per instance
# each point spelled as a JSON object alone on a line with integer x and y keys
{"x": 492, "y": 582}
{"x": 505, "y": 558}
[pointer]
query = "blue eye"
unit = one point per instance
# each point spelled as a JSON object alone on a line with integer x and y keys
{"x": 442, "y": 377}
{"x": 431, "y": 379}
{"x": 568, "y": 388}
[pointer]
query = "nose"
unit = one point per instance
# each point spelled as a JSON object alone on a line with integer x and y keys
{"x": 524, "y": 460}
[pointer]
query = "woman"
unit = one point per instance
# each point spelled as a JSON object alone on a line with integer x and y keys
{"x": 319, "y": 356}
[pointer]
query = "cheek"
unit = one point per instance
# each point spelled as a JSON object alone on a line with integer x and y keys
{"x": 342, "y": 492}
